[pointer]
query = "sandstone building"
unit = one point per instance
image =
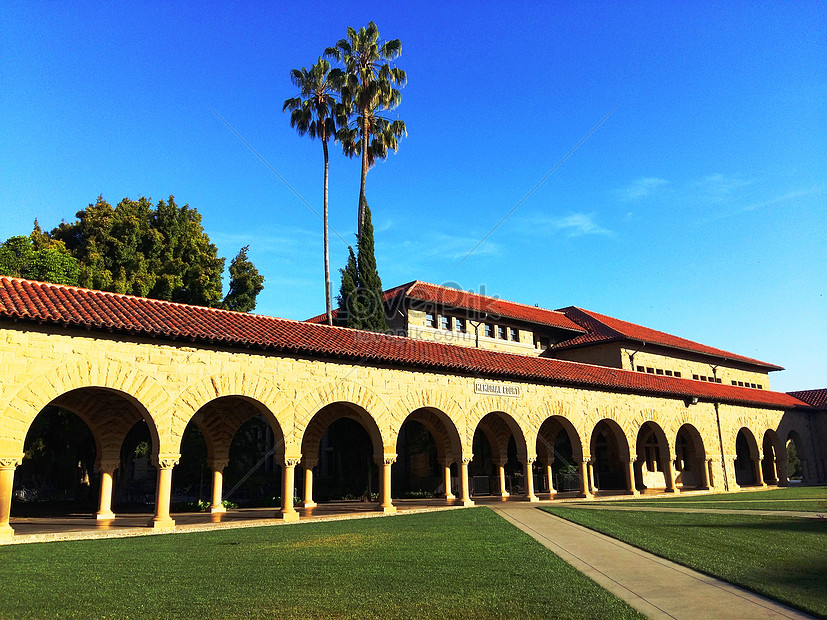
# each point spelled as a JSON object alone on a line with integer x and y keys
{"x": 492, "y": 384}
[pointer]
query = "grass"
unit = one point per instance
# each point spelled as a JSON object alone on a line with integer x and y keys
{"x": 802, "y": 499}
{"x": 461, "y": 563}
{"x": 780, "y": 557}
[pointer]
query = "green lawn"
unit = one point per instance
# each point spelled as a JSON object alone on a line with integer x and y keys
{"x": 804, "y": 499}
{"x": 460, "y": 563}
{"x": 781, "y": 557}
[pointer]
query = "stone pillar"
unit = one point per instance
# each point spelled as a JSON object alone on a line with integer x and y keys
{"x": 107, "y": 469}
{"x": 759, "y": 471}
{"x": 529, "y": 480}
{"x": 446, "y": 468}
{"x": 385, "y": 483}
{"x": 550, "y": 477}
{"x": 585, "y": 486}
{"x": 669, "y": 475}
{"x": 7, "y": 467}
{"x": 288, "y": 489}
{"x": 592, "y": 486}
{"x": 217, "y": 466}
{"x": 501, "y": 475}
{"x": 164, "y": 463}
{"x": 703, "y": 474}
{"x": 465, "y": 489}
{"x": 308, "y": 465}
{"x": 630, "y": 477}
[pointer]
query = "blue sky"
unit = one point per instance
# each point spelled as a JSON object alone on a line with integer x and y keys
{"x": 697, "y": 207}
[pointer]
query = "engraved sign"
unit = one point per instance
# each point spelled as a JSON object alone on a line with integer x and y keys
{"x": 496, "y": 389}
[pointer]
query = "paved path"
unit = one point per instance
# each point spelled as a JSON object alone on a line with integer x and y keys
{"x": 797, "y": 514}
{"x": 654, "y": 586}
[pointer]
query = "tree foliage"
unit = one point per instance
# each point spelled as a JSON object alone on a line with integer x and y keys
{"x": 159, "y": 251}
{"x": 360, "y": 299}
{"x": 370, "y": 86}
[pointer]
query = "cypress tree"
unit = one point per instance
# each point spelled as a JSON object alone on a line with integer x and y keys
{"x": 360, "y": 295}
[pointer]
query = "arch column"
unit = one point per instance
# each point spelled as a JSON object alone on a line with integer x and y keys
{"x": 550, "y": 477}
{"x": 7, "y": 467}
{"x": 501, "y": 476}
{"x": 529, "y": 479}
{"x": 669, "y": 473}
{"x": 446, "y": 469}
{"x": 630, "y": 478}
{"x": 217, "y": 466}
{"x": 308, "y": 465}
{"x": 107, "y": 469}
{"x": 384, "y": 464}
{"x": 587, "y": 473}
{"x": 464, "y": 487}
{"x": 288, "y": 489}
{"x": 759, "y": 471}
{"x": 162, "y": 520}
{"x": 703, "y": 472}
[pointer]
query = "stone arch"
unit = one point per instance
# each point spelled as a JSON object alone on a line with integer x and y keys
{"x": 652, "y": 457}
{"x": 700, "y": 427}
{"x": 691, "y": 469}
{"x": 143, "y": 391}
{"x": 773, "y": 458}
{"x": 353, "y": 395}
{"x": 250, "y": 387}
{"x": 550, "y": 428}
{"x": 442, "y": 429}
{"x": 622, "y": 419}
{"x": 426, "y": 399}
{"x": 509, "y": 412}
{"x": 610, "y": 456}
{"x": 747, "y": 457}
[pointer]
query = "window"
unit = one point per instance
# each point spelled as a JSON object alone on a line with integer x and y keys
{"x": 641, "y": 369}
{"x": 445, "y": 323}
{"x": 696, "y": 377}
{"x": 658, "y": 371}
{"x": 651, "y": 371}
{"x": 488, "y": 330}
{"x": 677, "y": 374}
{"x": 500, "y": 332}
{"x": 513, "y": 335}
{"x": 430, "y": 320}
{"x": 668, "y": 373}
{"x": 459, "y": 325}
{"x": 544, "y": 342}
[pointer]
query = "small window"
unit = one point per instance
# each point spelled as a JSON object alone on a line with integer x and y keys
{"x": 430, "y": 320}
{"x": 760, "y": 387}
{"x": 677, "y": 373}
{"x": 718, "y": 381}
{"x": 740, "y": 384}
{"x": 459, "y": 325}
{"x": 488, "y": 330}
{"x": 668, "y": 373}
{"x": 734, "y": 383}
{"x": 658, "y": 371}
{"x": 651, "y": 371}
{"x": 445, "y": 322}
{"x": 641, "y": 369}
{"x": 696, "y": 377}
{"x": 500, "y": 332}
{"x": 513, "y": 335}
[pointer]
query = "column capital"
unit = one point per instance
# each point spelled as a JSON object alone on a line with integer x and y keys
{"x": 108, "y": 465}
{"x": 385, "y": 459}
{"x": 10, "y": 462}
{"x": 587, "y": 459}
{"x": 632, "y": 459}
{"x": 467, "y": 459}
{"x": 166, "y": 461}
{"x": 291, "y": 461}
{"x": 219, "y": 464}
{"x": 529, "y": 460}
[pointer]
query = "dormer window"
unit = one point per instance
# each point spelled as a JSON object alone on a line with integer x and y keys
{"x": 430, "y": 320}
{"x": 459, "y": 326}
{"x": 445, "y": 323}
{"x": 488, "y": 330}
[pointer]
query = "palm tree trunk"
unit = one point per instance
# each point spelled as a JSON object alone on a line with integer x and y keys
{"x": 326, "y": 246}
{"x": 365, "y": 140}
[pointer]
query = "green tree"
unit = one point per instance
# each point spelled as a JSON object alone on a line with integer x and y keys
{"x": 24, "y": 257}
{"x": 793, "y": 462}
{"x": 315, "y": 113}
{"x": 360, "y": 297}
{"x": 370, "y": 86}
{"x": 159, "y": 251}
{"x": 245, "y": 284}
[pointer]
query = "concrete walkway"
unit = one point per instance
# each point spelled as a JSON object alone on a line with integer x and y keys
{"x": 793, "y": 514}
{"x": 654, "y": 586}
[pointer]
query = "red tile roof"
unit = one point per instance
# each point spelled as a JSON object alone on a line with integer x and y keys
{"x": 494, "y": 307}
{"x": 816, "y": 398}
{"x": 26, "y": 300}
{"x": 600, "y": 328}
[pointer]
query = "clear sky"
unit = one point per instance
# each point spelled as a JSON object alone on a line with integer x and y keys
{"x": 697, "y": 207}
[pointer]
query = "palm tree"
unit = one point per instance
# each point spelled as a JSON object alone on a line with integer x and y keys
{"x": 315, "y": 112}
{"x": 370, "y": 86}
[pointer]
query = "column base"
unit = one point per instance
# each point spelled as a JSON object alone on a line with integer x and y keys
{"x": 287, "y": 517}
{"x": 532, "y": 498}
{"x": 217, "y": 509}
{"x": 6, "y": 532}
{"x": 633, "y": 493}
{"x": 450, "y": 496}
{"x": 674, "y": 490}
{"x": 585, "y": 495}
{"x": 468, "y": 502}
{"x": 388, "y": 510}
{"x": 309, "y": 504}
{"x": 104, "y": 515}
{"x": 163, "y": 524}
